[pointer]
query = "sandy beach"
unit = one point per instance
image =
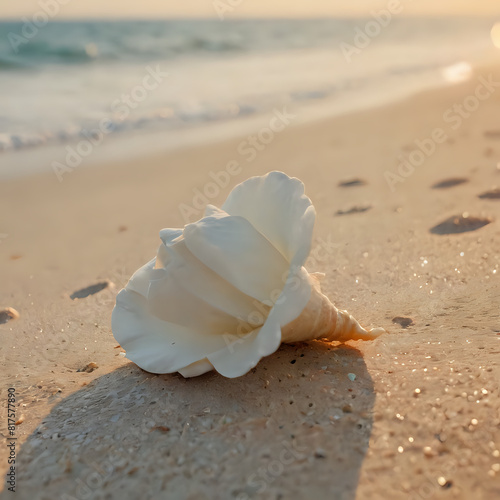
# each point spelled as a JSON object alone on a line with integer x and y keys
{"x": 407, "y": 233}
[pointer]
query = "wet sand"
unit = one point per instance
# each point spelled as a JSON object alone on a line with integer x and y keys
{"x": 421, "y": 417}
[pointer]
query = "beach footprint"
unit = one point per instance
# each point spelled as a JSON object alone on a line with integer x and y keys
{"x": 462, "y": 223}
{"x": 90, "y": 290}
{"x": 493, "y": 194}
{"x": 352, "y": 183}
{"x": 403, "y": 321}
{"x": 451, "y": 182}
{"x": 355, "y": 209}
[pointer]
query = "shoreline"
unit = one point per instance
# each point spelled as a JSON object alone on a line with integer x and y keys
{"x": 138, "y": 145}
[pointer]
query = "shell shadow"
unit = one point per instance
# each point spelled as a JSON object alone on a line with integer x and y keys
{"x": 297, "y": 426}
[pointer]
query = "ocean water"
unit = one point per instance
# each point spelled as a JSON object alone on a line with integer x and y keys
{"x": 64, "y": 80}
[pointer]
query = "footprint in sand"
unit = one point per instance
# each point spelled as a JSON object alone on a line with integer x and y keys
{"x": 404, "y": 322}
{"x": 356, "y": 209}
{"x": 90, "y": 290}
{"x": 494, "y": 194}
{"x": 352, "y": 183}
{"x": 451, "y": 182}
{"x": 460, "y": 224}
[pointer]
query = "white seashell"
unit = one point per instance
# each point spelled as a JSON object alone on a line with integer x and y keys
{"x": 227, "y": 290}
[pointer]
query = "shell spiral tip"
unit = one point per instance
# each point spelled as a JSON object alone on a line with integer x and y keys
{"x": 348, "y": 328}
{"x": 375, "y": 332}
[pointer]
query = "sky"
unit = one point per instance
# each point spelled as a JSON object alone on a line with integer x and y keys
{"x": 241, "y": 8}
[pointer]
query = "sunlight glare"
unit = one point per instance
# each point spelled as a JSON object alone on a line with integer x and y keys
{"x": 495, "y": 35}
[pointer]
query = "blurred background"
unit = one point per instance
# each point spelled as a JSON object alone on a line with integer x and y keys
{"x": 73, "y": 70}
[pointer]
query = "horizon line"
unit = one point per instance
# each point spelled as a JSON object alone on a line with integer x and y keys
{"x": 247, "y": 18}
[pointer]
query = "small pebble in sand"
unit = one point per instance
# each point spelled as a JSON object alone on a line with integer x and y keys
{"x": 320, "y": 453}
{"x": 351, "y": 376}
{"x": 429, "y": 452}
{"x": 443, "y": 482}
{"x": 20, "y": 420}
{"x": 404, "y": 322}
{"x": 161, "y": 428}
{"x": 7, "y": 315}
{"x": 89, "y": 368}
{"x": 347, "y": 409}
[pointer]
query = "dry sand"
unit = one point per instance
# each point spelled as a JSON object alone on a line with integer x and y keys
{"x": 420, "y": 420}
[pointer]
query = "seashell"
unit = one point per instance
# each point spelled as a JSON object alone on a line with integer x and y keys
{"x": 320, "y": 319}
{"x": 227, "y": 290}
